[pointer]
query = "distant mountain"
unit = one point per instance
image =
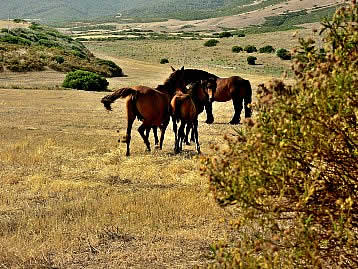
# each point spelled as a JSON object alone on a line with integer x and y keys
{"x": 76, "y": 10}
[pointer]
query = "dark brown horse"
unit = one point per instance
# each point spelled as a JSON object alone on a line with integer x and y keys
{"x": 186, "y": 108}
{"x": 232, "y": 88}
{"x": 151, "y": 106}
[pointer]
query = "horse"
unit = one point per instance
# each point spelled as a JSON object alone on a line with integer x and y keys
{"x": 151, "y": 106}
{"x": 186, "y": 107}
{"x": 232, "y": 88}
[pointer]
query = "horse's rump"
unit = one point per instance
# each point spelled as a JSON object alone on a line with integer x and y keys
{"x": 152, "y": 106}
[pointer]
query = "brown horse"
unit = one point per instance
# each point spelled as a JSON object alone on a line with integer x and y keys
{"x": 151, "y": 106}
{"x": 186, "y": 108}
{"x": 232, "y": 88}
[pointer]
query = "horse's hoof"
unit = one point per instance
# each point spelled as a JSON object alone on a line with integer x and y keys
{"x": 234, "y": 122}
{"x": 187, "y": 143}
{"x": 209, "y": 121}
{"x": 157, "y": 147}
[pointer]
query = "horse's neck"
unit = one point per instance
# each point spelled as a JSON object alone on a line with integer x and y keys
{"x": 195, "y": 75}
{"x": 166, "y": 89}
{"x": 199, "y": 105}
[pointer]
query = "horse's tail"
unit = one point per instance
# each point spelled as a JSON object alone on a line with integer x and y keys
{"x": 248, "y": 99}
{"x": 121, "y": 93}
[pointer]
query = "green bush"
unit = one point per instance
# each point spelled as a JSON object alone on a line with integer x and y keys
{"x": 225, "y": 34}
{"x": 251, "y": 60}
{"x": 164, "y": 61}
{"x": 11, "y": 39}
{"x": 211, "y": 43}
{"x": 290, "y": 174}
{"x": 59, "y": 59}
{"x": 236, "y": 49}
{"x": 84, "y": 80}
{"x": 267, "y": 49}
{"x": 250, "y": 49}
{"x": 284, "y": 54}
{"x": 240, "y": 35}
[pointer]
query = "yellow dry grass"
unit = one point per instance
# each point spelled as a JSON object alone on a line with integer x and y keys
{"x": 69, "y": 198}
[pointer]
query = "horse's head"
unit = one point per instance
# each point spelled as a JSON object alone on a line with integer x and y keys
{"x": 176, "y": 80}
{"x": 210, "y": 87}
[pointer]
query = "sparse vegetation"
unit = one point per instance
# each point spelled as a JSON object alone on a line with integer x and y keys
{"x": 211, "y": 43}
{"x": 251, "y": 60}
{"x": 284, "y": 54}
{"x": 250, "y": 49}
{"x": 164, "y": 61}
{"x": 267, "y": 49}
{"x": 225, "y": 34}
{"x": 236, "y": 49}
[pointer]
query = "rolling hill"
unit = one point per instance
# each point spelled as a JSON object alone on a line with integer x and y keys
{"x": 66, "y": 10}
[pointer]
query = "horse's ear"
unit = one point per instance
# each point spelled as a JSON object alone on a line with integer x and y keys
{"x": 182, "y": 69}
{"x": 173, "y": 69}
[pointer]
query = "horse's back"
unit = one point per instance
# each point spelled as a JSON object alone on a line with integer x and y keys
{"x": 152, "y": 105}
{"x": 231, "y": 86}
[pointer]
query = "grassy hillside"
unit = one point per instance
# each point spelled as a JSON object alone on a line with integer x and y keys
{"x": 63, "y": 10}
{"x": 39, "y": 47}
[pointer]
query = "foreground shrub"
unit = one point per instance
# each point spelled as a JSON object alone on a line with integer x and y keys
{"x": 84, "y": 80}
{"x": 284, "y": 54}
{"x": 267, "y": 49}
{"x": 292, "y": 172}
{"x": 236, "y": 49}
{"x": 250, "y": 49}
{"x": 251, "y": 60}
{"x": 211, "y": 43}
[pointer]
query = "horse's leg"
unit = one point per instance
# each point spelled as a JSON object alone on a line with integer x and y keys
{"x": 247, "y": 100}
{"x": 187, "y": 132}
{"x": 163, "y": 127}
{"x": 181, "y": 136}
{"x": 130, "y": 119}
{"x": 209, "y": 113}
{"x": 155, "y": 132}
{"x": 196, "y": 135}
{"x": 175, "y": 130}
{"x": 237, "y": 102}
{"x": 142, "y": 130}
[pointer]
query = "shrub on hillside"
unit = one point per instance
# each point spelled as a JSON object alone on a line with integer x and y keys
{"x": 240, "y": 35}
{"x": 251, "y": 60}
{"x": 211, "y": 43}
{"x": 113, "y": 68}
{"x": 291, "y": 172}
{"x": 164, "y": 61}
{"x": 250, "y": 49}
{"x": 284, "y": 54}
{"x": 267, "y": 49}
{"x": 236, "y": 49}
{"x": 59, "y": 59}
{"x": 225, "y": 34}
{"x": 85, "y": 80}
{"x": 11, "y": 39}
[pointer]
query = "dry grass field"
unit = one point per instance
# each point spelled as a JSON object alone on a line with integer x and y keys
{"x": 69, "y": 196}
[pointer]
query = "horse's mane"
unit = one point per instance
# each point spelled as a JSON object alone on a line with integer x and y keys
{"x": 197, "y": 74}
{"x": 170, "y": 84}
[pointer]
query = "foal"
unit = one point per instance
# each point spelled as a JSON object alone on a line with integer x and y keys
{"x": 186, "y": 108}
